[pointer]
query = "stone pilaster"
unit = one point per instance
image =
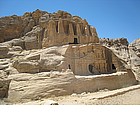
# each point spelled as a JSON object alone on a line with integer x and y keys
{"x": 78, "y": 30}
{"x": 87, "y": 30}
{"x": 52, "y": 28}
{"x": 60, "y": 27}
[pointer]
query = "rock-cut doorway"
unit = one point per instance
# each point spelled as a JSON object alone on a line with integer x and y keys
{"x": 91, "y": 68}
{"x": 75, "y": 41}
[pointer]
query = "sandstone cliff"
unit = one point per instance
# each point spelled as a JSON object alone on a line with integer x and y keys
{"x": 129, "y": 53}
{"x": 41, "y": 55}
{"x": 42, "y": 29}
{"x": 134, "y": 48}
{"x": 4, "y": 84}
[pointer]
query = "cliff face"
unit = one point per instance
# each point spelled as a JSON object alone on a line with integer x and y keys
{"x": 119, "y": 46}
{"x": 40, "y": 54}
{"x": 41, "y": 29}
{"x": 129, "y": 53}
{"x": 12, "y": 27}
{"x": 134, "y": 48}
{"x": 24, "y": 42}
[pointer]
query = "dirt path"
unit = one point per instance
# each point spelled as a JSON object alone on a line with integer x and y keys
{"x": 124, "y": 96}
{"x": 128, "y": 98}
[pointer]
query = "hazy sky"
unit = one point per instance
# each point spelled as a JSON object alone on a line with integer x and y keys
{"x": 111, "y": 18}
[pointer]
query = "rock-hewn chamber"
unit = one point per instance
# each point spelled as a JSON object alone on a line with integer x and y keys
{"x": 91, "y": 59}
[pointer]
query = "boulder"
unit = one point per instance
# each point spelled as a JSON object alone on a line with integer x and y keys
{"x": 50, "y": 59}
{"x": 26, "y": 66}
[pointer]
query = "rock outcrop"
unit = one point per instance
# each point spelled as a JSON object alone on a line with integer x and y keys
{"x": 119, "y": 46}
{"x": 41, "y": 29}
{"x": 129, "y": 53}
{"x": 134, "y": 48}
{"x": 12, "y": 27}
{"x": 25, "y": 87}
{"x": 51, "y": 54}
{"x": 4, "y": 84}
{"x": 4, "y": 52}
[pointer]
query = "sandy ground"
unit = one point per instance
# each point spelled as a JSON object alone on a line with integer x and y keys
{"x": 125, "y": 96}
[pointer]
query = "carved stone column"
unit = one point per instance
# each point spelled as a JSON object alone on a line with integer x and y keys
{"x": 52, "y": 28}
{"x": 60, "y": 27}
{"x": 78, "y": 30}
{"x": 71, "y": 32}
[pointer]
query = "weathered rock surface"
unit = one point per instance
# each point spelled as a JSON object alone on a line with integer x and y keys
{"x": 27, "y": 67}
{"x": 3, "y": 65}
{"x": 26, "y": 87}
{"x": 129, "y": 53}
{"x": 17, "y": 26}
{"x": 119, "y": 46}
{"x": 134, "y": 48}
{"x": 114, "y": 42}
{"x": 39, "y": 60}
{"x": 4, "y": 84}
{"x": 41, "y": 29}
{"x": 4, "y": 52}
{"x": 42, "y": 53}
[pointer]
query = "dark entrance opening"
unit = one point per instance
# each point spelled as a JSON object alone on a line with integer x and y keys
{"x": 113, "y": 68}
{"x": 90, "y": 67}
{"x": 69, "y": 66}
{"x": 75, "y": 41}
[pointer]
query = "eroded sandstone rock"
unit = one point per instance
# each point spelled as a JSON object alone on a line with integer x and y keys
{"x": 26, "y": 67}
{"x": 134, "y": 48}
{"x": 17, "y": 26}
{"x": 4, "y": 84}
{"x": 26, "y": 86}
{"x": 53, "y": 54}
{"x": 41, "y": 29}
{"x": 4, "y": 52}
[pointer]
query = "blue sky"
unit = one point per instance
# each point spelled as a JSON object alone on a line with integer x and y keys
{"x": 111, "y": 18}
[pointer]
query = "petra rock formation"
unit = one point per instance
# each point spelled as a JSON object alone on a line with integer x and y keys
{"x": 129, "y": 53}
{"x": 41, "y": 29}
{"x": 4, "y": 85}
{"x": 57, "y": 54}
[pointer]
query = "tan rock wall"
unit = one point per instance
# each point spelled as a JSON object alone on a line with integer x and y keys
{"x": 25, "y": 87}
{"x": 4, "y": 84}
{"x": 100, "y": 82}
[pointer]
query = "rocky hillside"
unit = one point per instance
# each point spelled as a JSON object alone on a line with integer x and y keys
{"x": 33, "y": 48}
{"x": 129, "y": 53}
